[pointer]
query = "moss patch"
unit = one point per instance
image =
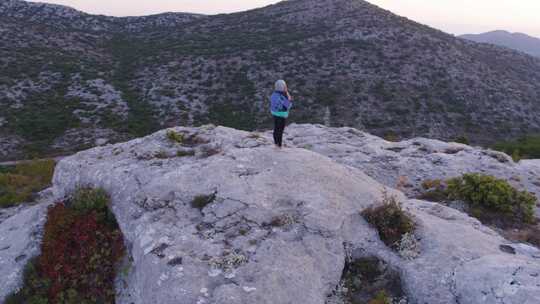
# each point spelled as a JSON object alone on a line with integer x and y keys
{"x": 185, "y": 153}
{"x": 201, "y": 201}
{"x": 370, "y": 280}
{"x": 81, "y": 247}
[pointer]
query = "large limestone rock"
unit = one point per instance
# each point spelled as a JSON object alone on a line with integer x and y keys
{"x": 20, "y": 239}
{"x": 272, "y": 234}
{"x": 408, "y": 163}
{"x": 279, "y": 224}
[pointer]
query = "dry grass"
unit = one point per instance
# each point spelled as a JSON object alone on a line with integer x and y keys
{"x": 21, "y": 183}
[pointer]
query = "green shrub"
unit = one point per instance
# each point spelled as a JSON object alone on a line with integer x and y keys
{"x": 44, "y": 117}
{"x": 81, "y": 247}
{"x": 6, "y": 169}
{"x": 87, "y": 199}
{"x": 381, "y": 298}
{"x": 524, "y": 148}
{"x": 487, "y": 193}
{"x": 390, "y": 220}
{"x": 462, "y": 140}
{"x": 175, "y": 137}
{"x": 20, "y": 183}
{"x": 434, "y": 190}
{"x": 391, "y": 136}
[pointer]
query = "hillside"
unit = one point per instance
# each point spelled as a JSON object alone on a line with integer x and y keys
{"x": 517, "y": 41}
{"x": 69, "y": 80}
{"x": 217, "y": 215}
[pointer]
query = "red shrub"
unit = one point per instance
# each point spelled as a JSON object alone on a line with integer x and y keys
{"x": 81, "y": 246}
{"x": 79, "y": 254}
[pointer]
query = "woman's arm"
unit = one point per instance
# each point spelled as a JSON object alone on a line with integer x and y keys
{"x": 286, "y": 102}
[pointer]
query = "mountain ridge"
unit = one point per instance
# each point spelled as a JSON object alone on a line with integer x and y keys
{"x": 58, "y": 15}
{"x": 363, "y": 65}
{"x": 517, "y": 41}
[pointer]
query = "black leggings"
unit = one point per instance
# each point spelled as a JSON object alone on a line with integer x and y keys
{"x": 279, "y": 127}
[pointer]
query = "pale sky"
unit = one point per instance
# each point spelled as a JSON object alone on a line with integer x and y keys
{"x": 452, "y": 16}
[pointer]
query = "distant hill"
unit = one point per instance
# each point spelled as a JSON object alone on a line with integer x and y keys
{"x": 517, "y": 41}
{"x": 71, "y": 80}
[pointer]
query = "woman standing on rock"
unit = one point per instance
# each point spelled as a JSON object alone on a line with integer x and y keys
{"x": 281, "y": 103}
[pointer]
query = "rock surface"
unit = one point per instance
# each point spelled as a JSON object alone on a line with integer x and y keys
{"x": 20, "y": 239}
{"x": 280, "y": 224}
{"x": 406, "y": 164}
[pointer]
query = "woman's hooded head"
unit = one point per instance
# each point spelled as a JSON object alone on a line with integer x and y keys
{"x": 281, "y": 86}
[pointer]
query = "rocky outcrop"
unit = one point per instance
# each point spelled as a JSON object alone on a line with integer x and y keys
{"x": 406, "y": 164}
{"x": 221, "y": 216}
{"x": 20, "y": 238}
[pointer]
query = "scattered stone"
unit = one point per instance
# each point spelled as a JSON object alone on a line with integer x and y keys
{"x": 507, "y": 249}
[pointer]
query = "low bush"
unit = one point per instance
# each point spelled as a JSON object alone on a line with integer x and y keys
{"x": 486, "y": 194}
{"x": 391, "y": 136}
{"x": 524, "y": 148}
{"x": 44, "y": 116}
{"x": 81, "y": 247}
{"x": 463, "y": 139}
{"x": 175, "y": 137}
{"x": 381, "y": 298}
{"x": 434, "y": 190}
{"x": 6, "y": 169}
{"x": 390, "y": 220}
{"x": 20, "y": 183}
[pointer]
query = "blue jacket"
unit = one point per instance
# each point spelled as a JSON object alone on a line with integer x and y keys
{"x": 280, "y": 104}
